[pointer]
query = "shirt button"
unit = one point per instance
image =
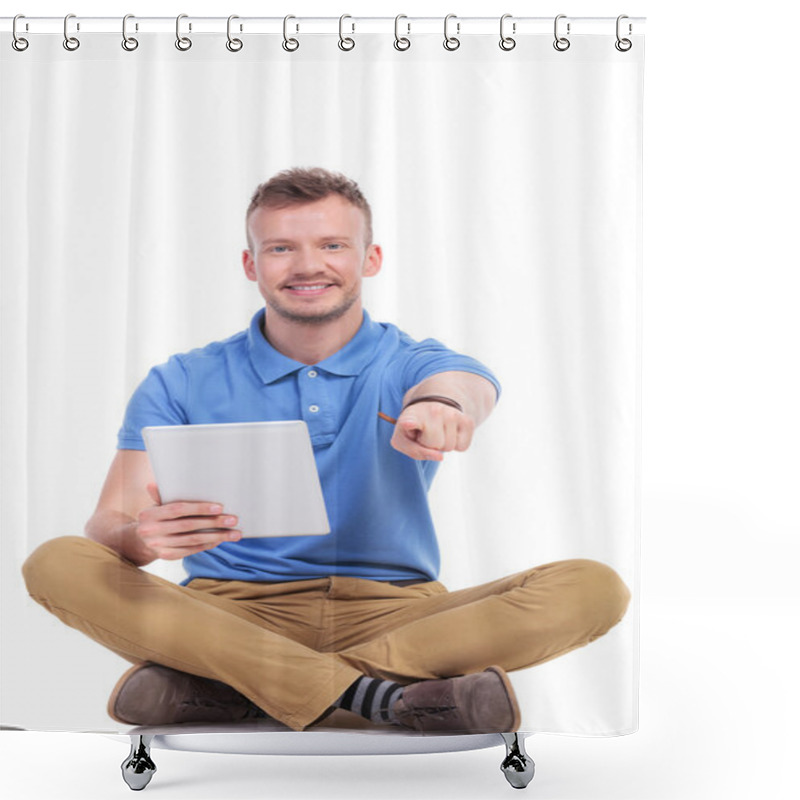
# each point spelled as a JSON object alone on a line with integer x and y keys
{"x": 313, "y": 409}
{"x": 312, "y": 373}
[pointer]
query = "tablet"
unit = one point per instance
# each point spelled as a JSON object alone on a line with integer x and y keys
{"x": 263, "y": 472}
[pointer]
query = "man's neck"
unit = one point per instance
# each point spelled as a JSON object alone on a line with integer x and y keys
{"x": 311, "y": 343}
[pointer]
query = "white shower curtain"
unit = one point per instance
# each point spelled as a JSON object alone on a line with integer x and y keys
{"x": 505, "y": 187}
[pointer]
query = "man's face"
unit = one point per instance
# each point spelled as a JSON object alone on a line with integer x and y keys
{"x": 308, "y": 260}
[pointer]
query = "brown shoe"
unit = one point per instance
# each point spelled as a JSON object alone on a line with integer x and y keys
{"x": 479, "y": 703}
{"x": 150, "y": 694}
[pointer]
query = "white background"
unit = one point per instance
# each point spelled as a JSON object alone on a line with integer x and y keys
{"x": 720, "y": 531}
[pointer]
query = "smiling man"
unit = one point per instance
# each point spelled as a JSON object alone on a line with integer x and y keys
{"x": 309, "y": 260}
{"x": 294, "y": 627}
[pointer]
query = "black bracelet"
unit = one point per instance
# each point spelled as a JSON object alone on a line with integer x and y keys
{"x": 434, "y": 398}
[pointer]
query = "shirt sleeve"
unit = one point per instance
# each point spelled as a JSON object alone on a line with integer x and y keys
{"x": 430, "y": 357}
{"x": 160, "y": 399}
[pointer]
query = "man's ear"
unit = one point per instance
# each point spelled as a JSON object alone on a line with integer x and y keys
{"x": 249, "y": 264}
{"x": 372, "y": 261}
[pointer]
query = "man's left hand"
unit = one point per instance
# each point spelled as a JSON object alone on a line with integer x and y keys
{"x": 426, "y": 431}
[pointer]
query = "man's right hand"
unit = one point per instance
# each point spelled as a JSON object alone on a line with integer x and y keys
{"x": 175, "y": 530}
{"x": 131, "y": 519}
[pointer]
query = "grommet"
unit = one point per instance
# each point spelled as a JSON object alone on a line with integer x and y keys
{"x": 401, "y": 43}
{"x": 183, "y": 43}
{"x": 289, "y": 44}
{"x": 234, "y": 45}
{"x": 561, "y": 43}
{"x": 128, "y": 42}
{"x": 19, "y": 43}
{"x": 70, "y": 42}
{"x": 451, "y": 42}
{"x": 346, "y": 43}
{"x": 506, "y": 42}
{"x": 623, "y": 45}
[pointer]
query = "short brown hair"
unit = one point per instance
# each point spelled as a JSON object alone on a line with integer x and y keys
{"x": 298, "y": 186}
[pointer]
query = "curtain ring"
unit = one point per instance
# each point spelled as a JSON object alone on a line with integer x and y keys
{"x": 451, "y": 42}
{"x": 290, "y": 45}
{"x": 623, "y": 45}
{"x": 234, "y": 45}
{"x": 506, "y": 42}
{"x": 401, "y": 42}
{"x": 129, "y": 43}
{"x": 346, "y": 43}
{"x": 18, "y": 42}
{"x": 561, "y": 43}
{"x": 183, "y": 43}
{"x": 70, "y": 42}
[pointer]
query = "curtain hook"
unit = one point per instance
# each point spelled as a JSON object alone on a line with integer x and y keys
{"x": 401, "y": 42}
{"x": 290, "y": 45}
{"x": 623, "y": 45}
{"x": 129, "y": 43}
{"x": 18, "y": 42}
{"x": 346, "y": 43}
{"x": 451, "y": 42}
{"x": 182, "y": 42}
{"x": 70, "y": 42}
{"x": 506, "y": 42}
{"x": 561, "y": 43}
{"x": 234, "y": 45}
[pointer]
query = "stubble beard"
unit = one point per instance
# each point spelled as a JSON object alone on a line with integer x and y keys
{"x": 311, "y": 317}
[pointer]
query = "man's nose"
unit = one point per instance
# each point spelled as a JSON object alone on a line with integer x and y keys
{"x": 307, "y": 260}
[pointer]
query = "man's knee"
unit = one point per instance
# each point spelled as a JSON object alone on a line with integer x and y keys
{"x": 57, "y": 562}
{"x": 605, "y": 595}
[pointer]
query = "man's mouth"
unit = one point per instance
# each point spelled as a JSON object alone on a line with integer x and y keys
{"x": 308, "y": 287}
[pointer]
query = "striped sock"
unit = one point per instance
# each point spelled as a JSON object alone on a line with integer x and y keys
{"x": 371, "y": 698}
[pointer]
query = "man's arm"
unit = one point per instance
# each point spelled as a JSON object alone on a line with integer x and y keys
{"x": 427, "y": 430}
{"x": 130, "y": 518}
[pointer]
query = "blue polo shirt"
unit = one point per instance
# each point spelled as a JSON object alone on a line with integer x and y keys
{"x": 376, "y": 497}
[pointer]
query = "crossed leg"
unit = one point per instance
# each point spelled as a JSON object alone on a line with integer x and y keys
{"x": 143, "y": 617}
{"x": 294, "y": 648}
{"x": 514, "y": 622}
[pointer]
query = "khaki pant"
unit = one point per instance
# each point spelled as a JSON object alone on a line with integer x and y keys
{"x": 293, "y": 648}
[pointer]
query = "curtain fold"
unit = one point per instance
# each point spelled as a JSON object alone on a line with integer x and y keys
{"x": 506, "y": 191}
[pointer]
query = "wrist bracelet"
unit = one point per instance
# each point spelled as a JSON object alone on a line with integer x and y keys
{"x": 434, "y": 398}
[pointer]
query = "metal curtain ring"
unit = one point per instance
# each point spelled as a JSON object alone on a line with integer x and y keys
{"x": 345, "y": 42}
{"x": 623, "y": 45}
{"x": 561, "y": 43}
{"x": 451, "y": 42}
{"x": 18, "y": 42}
{"x": 506, "y": 42}
{"x": 128, "y": 42}
{"x": 182, "y": 42}
{"x": 70, "y": 42}
{"x": 401, "y": 42}
{"x": 290, "y": 45}
{"x": 234, "y": 45}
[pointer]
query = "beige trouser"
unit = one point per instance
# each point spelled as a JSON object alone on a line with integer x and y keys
{"x": 293, "y": 648}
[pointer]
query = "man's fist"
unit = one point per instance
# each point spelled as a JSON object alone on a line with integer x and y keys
{"x": 427, "y": 430}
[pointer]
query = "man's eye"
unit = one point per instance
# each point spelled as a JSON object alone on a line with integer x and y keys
{"x": 333, "y": 246}
{"x": 278, "y": 248}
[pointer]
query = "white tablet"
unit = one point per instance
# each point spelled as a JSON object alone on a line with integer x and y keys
{"x": 263, "y": 472}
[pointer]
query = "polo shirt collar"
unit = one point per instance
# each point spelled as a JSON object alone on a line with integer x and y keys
{"x": 350, "y": 360}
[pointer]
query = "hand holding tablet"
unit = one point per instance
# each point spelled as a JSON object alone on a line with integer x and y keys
{"x": 262, "y": 472}
{"x": 175, "y": 530}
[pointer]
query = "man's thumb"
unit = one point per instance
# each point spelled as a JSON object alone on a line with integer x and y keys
{"x": 152, "y": 490}
{"x": 411, "y": 427}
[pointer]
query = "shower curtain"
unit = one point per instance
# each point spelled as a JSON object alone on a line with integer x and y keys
{"x": 505, "y": 183}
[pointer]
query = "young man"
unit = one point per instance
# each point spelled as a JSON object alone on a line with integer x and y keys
{"x": 293, "y": 627}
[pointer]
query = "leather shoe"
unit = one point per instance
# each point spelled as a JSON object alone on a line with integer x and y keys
{"x": 151, "y": 694}
{"x": 480, "y": 703}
